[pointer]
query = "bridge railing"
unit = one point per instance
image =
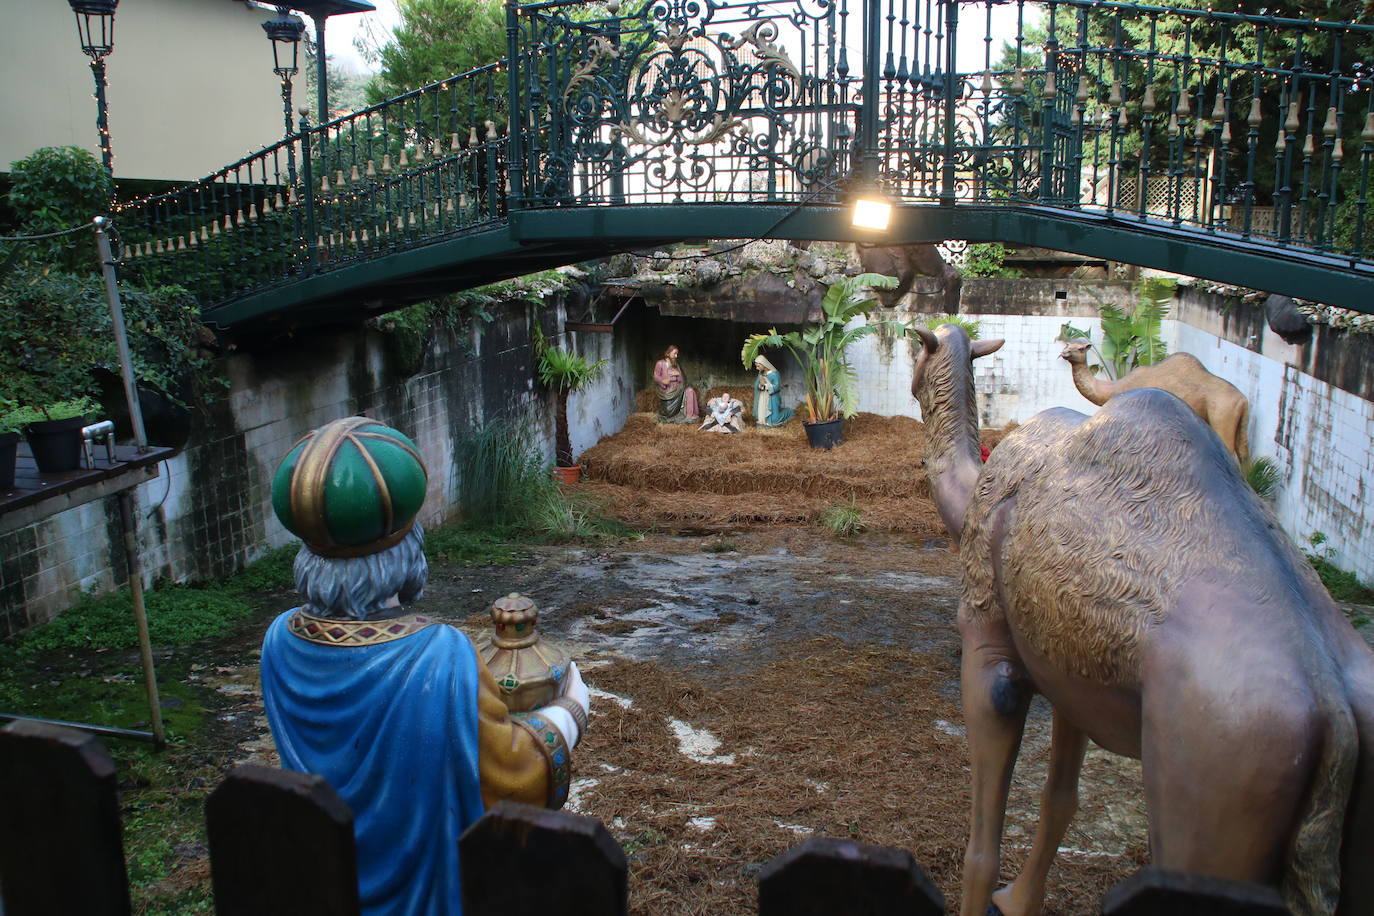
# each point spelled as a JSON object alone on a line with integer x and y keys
{"x": 405, "y": 172}
{"x": 1249, "y": 128}
{"x": 1253, "y": 126}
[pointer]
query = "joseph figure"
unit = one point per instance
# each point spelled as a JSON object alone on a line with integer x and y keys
{"x": 394, "y": 708}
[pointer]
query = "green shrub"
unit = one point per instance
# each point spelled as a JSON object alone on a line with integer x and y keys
{"x": 969, "y": 325}
{"x": 274, "y": 571}
{"x": 54, "y": 188}
{"x": 507, "y": 488}
{"x": 1342, "y": 584}
{"x": 985, "y": 259}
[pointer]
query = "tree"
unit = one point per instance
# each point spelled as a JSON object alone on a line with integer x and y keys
{"x": 437, "y": 39}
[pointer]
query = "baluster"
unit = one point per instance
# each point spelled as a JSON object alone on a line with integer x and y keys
{"x": 1366, "y": 157}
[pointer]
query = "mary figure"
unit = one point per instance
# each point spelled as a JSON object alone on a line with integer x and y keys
{"x": 768, "y": 409}
{"x": 677, "y": 401}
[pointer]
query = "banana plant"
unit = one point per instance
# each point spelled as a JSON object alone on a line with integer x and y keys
{"x": 831, "y": 382}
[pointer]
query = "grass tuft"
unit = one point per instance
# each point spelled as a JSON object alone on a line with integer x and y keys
{"x": 1263, "y": 474}
{"x": 844, "y": 519}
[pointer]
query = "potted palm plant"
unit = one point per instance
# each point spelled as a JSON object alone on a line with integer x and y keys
{"x": 831, "y": 390}
{"x": 565, "y": 372}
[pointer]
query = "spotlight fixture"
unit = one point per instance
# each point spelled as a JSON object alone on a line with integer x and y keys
{"x": 872, "y": 209}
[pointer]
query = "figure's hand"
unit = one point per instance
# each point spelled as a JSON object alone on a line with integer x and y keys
{"x": 571, "y": 708}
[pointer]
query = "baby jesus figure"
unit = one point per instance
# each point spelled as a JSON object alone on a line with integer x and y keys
{"x": 724, "y": 414}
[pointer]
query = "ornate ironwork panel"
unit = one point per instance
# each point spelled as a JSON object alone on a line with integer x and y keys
{"x": 686, "y": 100}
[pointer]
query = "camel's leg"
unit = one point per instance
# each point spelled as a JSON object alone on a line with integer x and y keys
{"x": 1226, "y": 771}
{"x": 995, "y": 694}
{"x": 1357, "y": 849}
{"x": 1026, "y": 895}
{"x": 1225, "y": 422}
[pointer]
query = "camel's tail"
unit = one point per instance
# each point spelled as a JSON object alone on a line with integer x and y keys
{"x": 1312, "y": 882}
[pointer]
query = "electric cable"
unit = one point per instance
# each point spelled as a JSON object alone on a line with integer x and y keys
{"x": 47, "y": 235}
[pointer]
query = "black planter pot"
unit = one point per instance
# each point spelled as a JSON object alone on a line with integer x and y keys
{"x": 56, "y": 444}
{"x": 826, "y": 434}
{"x": 9, "y": 442}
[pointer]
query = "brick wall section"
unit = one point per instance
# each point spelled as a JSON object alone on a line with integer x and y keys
{"x": 208, "y": 513}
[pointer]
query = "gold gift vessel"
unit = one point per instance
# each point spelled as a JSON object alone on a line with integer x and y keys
{"x": 529, "y": 672}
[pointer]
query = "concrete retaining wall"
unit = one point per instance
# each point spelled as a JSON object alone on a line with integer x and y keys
{"x": 208, "y": 513}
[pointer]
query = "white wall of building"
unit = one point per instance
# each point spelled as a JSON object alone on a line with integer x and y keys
{"x": 191, "y": 87}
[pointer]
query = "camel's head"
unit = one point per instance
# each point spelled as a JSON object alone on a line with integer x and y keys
{"x": 947, "y": 346}
{"x": 1075, "y": 351}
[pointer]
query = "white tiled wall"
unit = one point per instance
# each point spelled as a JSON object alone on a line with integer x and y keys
{"x": 1321, "y": 436}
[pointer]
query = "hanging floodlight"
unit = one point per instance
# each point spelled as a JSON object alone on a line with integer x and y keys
{"x": 872, "y": 209}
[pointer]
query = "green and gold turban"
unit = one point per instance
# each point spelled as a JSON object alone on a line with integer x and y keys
{"x": 350, "y": 488}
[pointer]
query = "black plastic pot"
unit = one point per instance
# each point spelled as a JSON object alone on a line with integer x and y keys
{"x": 9, "y": 442}
{"x": 826, "y": 434}
{"x": 56, "y": 444}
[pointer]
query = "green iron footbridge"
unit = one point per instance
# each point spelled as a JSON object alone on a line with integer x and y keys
{"x": 1227, "y": 146}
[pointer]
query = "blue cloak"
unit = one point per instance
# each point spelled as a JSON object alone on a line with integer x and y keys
{"x": 393, "y": 728}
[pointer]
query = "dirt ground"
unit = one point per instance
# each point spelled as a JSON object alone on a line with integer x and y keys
{"x": 754, "y": 688}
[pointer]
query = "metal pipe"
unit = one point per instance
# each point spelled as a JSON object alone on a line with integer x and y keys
{"x": 108, "y": 731}
{"x": 126, "y": 366}
{"x": 145, "y": 646}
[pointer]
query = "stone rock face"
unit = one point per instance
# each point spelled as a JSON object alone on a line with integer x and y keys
{"x": 1285, "y": 320}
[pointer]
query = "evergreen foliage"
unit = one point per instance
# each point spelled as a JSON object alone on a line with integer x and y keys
{"x": 437, "y": 39}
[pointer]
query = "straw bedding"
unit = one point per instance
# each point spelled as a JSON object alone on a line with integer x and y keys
{"x": 651, "y": 473}
{"x": 831, "y": 740}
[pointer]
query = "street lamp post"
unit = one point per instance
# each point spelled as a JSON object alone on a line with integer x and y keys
{"x": 285, "y": 31}
{"x": 95, "y": 26}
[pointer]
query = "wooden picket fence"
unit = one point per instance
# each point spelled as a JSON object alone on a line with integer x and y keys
{"x": 61, "y": 853}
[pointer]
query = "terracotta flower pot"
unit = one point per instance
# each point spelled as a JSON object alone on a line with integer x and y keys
{"x": 568, "y": 476}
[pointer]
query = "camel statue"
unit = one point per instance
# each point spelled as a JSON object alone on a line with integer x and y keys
{"x": 1216, "y": 400}
{"x": 1120, "y": 566}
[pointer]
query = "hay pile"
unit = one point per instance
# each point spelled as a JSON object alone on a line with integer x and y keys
{"x": 651, "y": 473}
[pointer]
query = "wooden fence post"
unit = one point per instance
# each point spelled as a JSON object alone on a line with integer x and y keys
{"x": 61, "y": 850}
{"x": 280, "y": 842}
{"x": 519, "y": 860}
{"x": 824, "y": 876}
{"x": 1160, "y": 892}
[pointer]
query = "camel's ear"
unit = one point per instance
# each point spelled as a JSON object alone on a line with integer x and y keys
{"x": 928, "y": 339}
{"x": 984, "y": 347}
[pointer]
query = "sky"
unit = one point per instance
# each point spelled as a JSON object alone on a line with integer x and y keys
{"x": 342, "y": 31}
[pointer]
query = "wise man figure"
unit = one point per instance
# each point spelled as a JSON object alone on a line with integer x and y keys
{"x": 393, "y": 708}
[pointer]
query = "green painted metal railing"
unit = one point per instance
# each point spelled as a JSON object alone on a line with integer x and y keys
{"x": 1238, "y": 128}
